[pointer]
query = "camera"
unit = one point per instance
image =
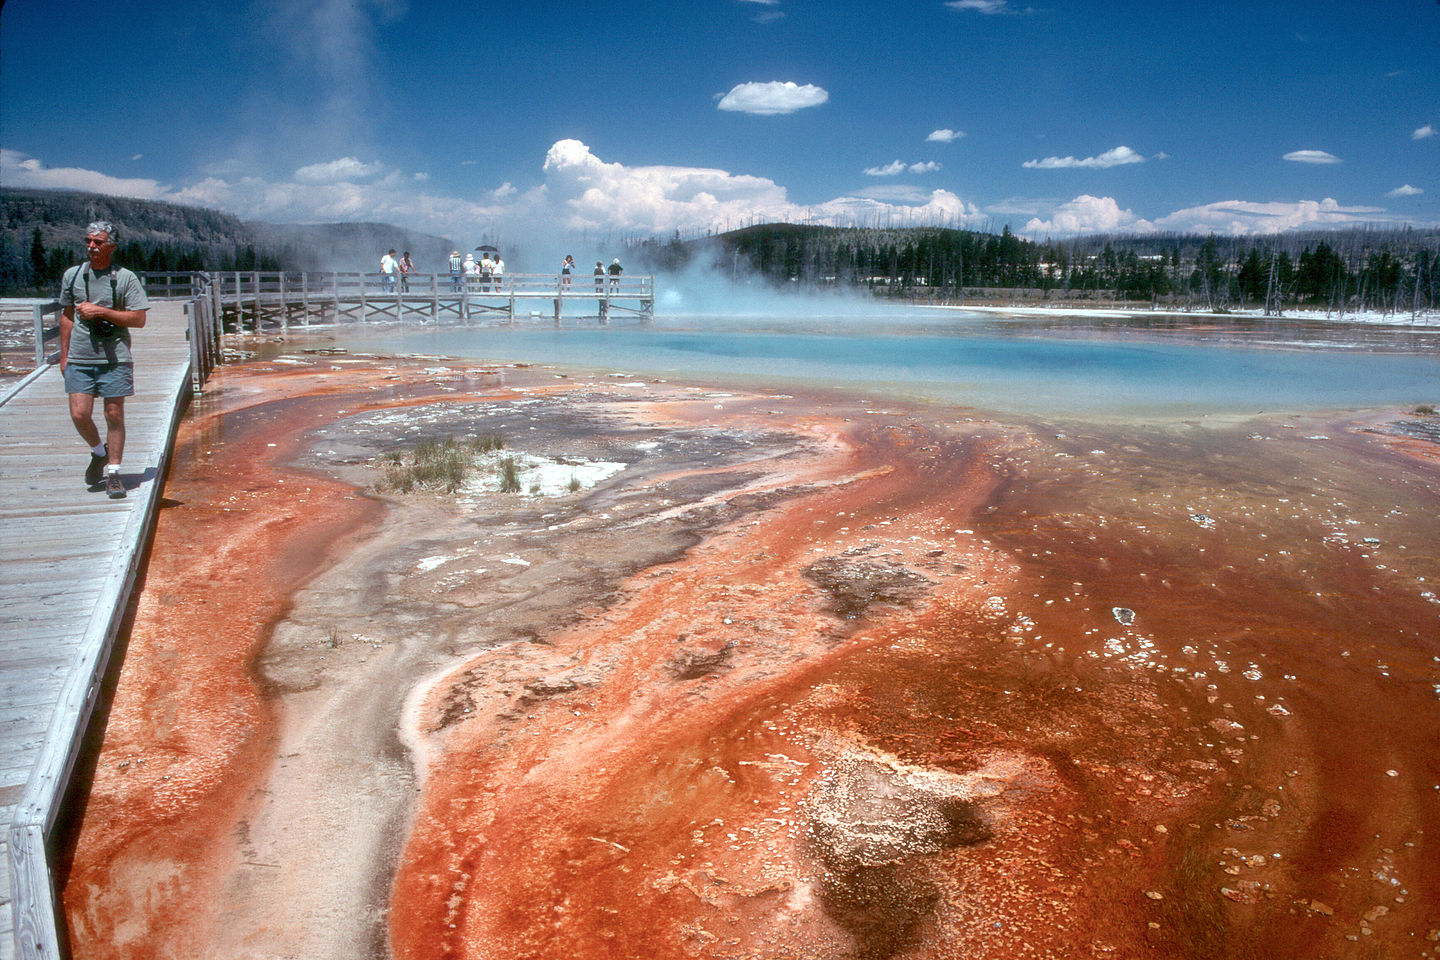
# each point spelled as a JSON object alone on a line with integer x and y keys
{"x": 100, "y": 327}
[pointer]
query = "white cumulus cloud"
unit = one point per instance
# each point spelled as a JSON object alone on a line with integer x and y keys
{"x": 769, "y": 99}
{"x": 944, "y": 135}
{"x": 1405, "y": 191}
{"x": 1110, "y": 158}
{"x": 584, "y": 192}
{"x": 1312, "y": 156}
{"x": 1087, "y": 214}
{"x": 1423, "y": 133}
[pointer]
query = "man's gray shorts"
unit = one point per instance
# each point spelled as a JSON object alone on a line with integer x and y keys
{"x": 100, "y": 379}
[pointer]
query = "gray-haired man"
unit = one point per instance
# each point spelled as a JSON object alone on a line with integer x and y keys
{"x": 101, "y": 303}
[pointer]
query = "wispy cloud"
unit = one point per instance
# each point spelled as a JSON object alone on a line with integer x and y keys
{"x": 897, "y": 167}
{"x": 944, "y": 135}
{"x": 338, "y": 171}
{"x": 1423, "y": 133}
{"x": 19, "y": 170}
{"x": 1312, "y": 156}
{"x": 769, "y": 16}
{"x": 1405, "y": 191}
{"x": 980, "y": 6}
{"x": 1241, "y": 217}
{"x": 1110, "y": 158}
{"x": 769, "y": 99}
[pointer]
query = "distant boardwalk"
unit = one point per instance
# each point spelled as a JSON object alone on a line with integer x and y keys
{"x": 69, "y": 561}
{"x": 277, "y": 298}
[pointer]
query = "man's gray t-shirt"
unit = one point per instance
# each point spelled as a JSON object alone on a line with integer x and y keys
{"x": 86, "y": 346}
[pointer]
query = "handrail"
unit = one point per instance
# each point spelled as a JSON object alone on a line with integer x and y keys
{"x": 41, "y": 309}
{"x": 354, "y": 282}
{"x": 255, "y": 297}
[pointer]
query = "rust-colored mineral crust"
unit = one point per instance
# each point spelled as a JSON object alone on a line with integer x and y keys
{"x": 799, "y": 677}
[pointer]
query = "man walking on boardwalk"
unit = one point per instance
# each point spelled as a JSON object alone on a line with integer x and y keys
{"x": 101, "y": 302}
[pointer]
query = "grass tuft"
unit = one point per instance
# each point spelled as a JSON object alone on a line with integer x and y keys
{"x": 509, "y": 476}
{"x": 435, "y": 464}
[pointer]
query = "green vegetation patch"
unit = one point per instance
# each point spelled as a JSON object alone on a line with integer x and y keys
{"x": 435, "y": 464}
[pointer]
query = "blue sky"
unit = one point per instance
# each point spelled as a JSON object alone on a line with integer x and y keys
{"x": 1056, "y": 117}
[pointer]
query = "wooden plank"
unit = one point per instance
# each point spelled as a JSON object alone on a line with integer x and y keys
{"x": 64, "y": 582}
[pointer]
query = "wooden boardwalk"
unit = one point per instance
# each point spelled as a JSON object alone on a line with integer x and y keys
{"x": 68, "y": 561}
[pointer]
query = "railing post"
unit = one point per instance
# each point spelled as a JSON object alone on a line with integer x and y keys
{"x": 257, "y": 302}
{"x": 435, "y": 297}
{"x": 39, "y": 335}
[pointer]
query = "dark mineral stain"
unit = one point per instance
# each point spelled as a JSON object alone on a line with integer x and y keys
{"x": 854, "y": 586}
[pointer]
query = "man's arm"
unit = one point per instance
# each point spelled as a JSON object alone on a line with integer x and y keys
{"x": 67, "y": 323}
{"x": 121, "y": 318}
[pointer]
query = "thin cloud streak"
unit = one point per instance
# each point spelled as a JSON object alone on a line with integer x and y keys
{"x": 1312, "y": 156}
{"x": 1119, "y": 156}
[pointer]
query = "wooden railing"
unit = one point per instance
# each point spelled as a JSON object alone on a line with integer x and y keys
{"x": 347, "y": 284}
{"x": 205, "y": 332}
{"x": 43, "y": 330}
{"x": 258, "y": 297}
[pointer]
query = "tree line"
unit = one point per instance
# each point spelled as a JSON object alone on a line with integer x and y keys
{"x": 41, "y": 234}
{"x": 1395, "y": 270}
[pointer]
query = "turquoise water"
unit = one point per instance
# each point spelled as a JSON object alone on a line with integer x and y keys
{"x": 1087, "y": 367}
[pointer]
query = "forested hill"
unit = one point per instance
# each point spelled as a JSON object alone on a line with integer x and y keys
{"x": 41, "y": 233}
{"x": 1364, "y": 267}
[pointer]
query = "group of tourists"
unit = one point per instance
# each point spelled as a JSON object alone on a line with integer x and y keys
{"x": 490, "y": 269}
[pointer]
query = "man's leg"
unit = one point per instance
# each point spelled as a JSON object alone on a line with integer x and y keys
{"x": 82, "y": 410}
{"x": 114, "y": 429}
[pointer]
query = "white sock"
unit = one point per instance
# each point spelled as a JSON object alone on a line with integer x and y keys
{"x": 98, "y": 450}
{"x": 112, "y": 468}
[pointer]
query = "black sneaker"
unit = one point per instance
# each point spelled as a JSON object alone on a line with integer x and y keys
{"x": 96, "y": 471}
{"x": 114, "y": 486}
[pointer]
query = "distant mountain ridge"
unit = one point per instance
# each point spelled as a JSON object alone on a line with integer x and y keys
{"x": 158, "y": 235}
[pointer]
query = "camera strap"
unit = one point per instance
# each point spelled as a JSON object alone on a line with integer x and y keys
{"x": 85, "y": 269}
